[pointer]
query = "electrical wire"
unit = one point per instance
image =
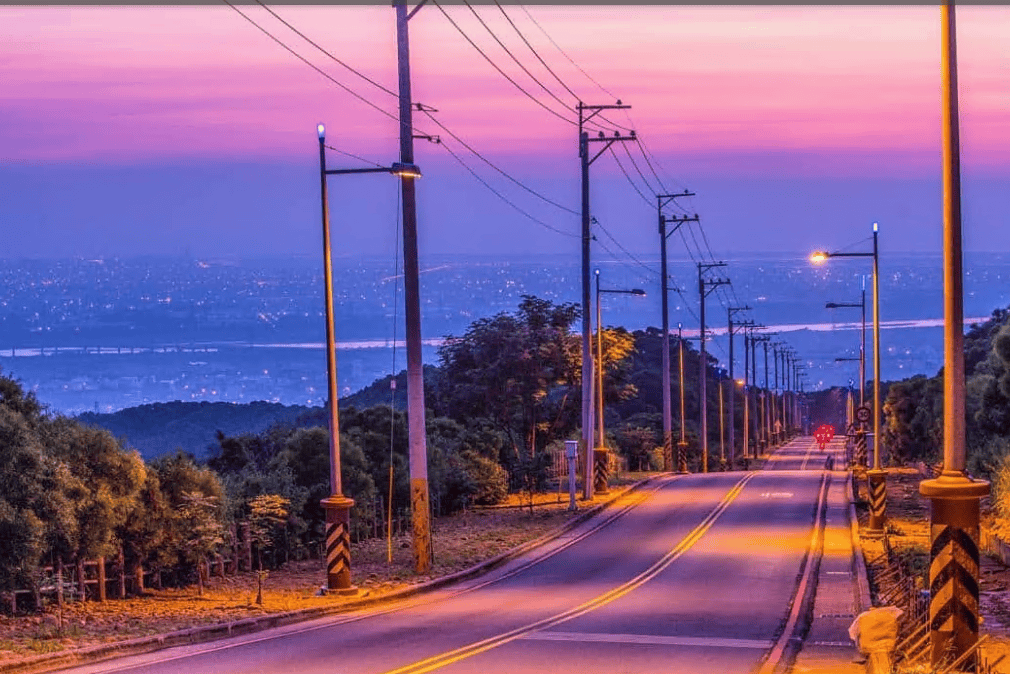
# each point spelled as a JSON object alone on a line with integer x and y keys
{"x": 344, "y": 152}
{"x": 535, "y": 53}
{"x": 310, "y": 64}
{"x": 639, "y": 171}
{"x": 500, "y": 71}
{"x": 504, "y": 198}
{"x": 626, "y": 175}
{"x": 509, "y": 52}
{"x": 332, "y": 57}
{"x": 502, "y": 172}
{"x": 392, "y": 382}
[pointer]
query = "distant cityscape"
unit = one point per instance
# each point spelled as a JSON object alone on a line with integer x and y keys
{"x": 89, "y": 335}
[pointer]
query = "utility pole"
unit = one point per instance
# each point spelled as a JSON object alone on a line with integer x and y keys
{"x": 663, "y": 200}
{"x": 587, "y": 351}
{"x": 730, "y": 311}
{"x": 746, "y": 392}
{"x": 760, "y": 436}
{"x": 705, "y": 286}
{"x": 682, "y": 445}
{"x": 418, "y": 448}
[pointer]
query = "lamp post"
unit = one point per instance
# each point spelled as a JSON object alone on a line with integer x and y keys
{"x": 954, "y": 497}
{"x": 876, "y": 478}
{"x": 338, "y": 506}
{"x": 601, "y": 458}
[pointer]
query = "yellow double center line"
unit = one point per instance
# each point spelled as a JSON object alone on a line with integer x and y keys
{"x": 445, "y": 659}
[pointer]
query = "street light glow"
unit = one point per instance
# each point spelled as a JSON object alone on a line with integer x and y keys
{"x": 321, "y": 130}
{"x": 405, "y": 170}
{"x": 875, "y": 227}
{"x": 818, "y": 256}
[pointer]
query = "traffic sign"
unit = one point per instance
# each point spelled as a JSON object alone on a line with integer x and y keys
{"x": 863, "y": 414}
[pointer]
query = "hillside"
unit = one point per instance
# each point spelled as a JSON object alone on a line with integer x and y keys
{"x": 161, "y": 428}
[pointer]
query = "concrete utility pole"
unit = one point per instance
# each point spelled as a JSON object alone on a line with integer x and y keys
{"x": 954, "y": 497}
{"x": 682, "y": 445}
{"x": 417, "y": 433}
{"x": 705, "y": 286}
{"x": 760, "y": 405}
{"x": 730, "y": 311}
{"x": 587, "y": 350}
{"x": 663, "y": 200}
{"x": 746, "y": 391}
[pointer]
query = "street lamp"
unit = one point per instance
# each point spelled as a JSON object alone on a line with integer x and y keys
{"x": 338, "y": 506}
{"x": 876, "y": 478}
{"x": 600, "y": 485}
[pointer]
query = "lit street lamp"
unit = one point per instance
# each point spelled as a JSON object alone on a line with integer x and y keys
{"x": 600, "y": 486}
{"x": 876, "y": 478}
{"x": 338, "y": 506}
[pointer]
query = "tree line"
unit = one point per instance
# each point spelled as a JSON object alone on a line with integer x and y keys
{"x": 502, "y": 399}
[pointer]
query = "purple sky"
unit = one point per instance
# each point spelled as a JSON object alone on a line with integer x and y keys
{"x": 166, "y": 130}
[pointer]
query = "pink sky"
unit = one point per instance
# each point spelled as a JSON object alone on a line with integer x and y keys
{"x": 96, "y": 85}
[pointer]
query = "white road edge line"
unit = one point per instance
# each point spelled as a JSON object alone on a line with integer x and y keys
{"x": 648, "y": 639}
{"x": 775, "y": 656}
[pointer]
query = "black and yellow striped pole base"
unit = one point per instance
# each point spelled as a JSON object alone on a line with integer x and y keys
{"x": 338, "y": 544}
{"x": 876, "y": 487}
{"x": 682, "y": 457}
{"x": 601, "y": 470}
{"x": 953, "y": 564}
{"x": 861, "y": 449}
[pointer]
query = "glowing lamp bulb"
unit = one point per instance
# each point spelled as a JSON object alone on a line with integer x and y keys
{"x": 321, "y": 130}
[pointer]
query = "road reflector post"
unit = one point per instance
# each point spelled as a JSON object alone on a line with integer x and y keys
{"x": 954, "y": 563}
{"x": 338, "y": 544}
{"x": 601, "y": 470}
{"x": 876, "y": 487}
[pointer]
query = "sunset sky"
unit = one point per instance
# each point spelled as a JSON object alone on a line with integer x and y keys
{"x": 171, "y": 130}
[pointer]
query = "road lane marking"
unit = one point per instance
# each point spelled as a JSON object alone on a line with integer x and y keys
{"x": 636, "y": 498}
{"x": 777, "y": 494}
{"x": 450, "y": 657}
{"x": 648, "y": 639}
{"x": 803, "y": 466}
{"x": 775, "y": 655}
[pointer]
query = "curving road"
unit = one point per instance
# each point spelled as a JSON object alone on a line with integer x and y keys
{"x": 695, "y": 573}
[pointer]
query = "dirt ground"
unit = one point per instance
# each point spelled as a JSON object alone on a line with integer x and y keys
{"x": 459, "y": 542}
{"x": 908, "y": 532}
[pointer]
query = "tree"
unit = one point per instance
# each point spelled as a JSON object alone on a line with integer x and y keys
{"x": 267, "y": 514}
{"x": 199, "y": 517}
{"x": 518, "y": 370}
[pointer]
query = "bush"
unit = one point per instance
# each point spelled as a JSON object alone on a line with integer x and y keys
{"x": 491, "y": 484}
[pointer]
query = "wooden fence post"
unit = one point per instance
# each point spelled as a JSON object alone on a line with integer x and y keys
{"x": 101, "y": 579}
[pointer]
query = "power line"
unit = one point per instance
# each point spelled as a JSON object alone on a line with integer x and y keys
{"x": 320, "y": 48}
{"x": 640, "y": 174}
{"x": 502, "y": 172}
{"x": 626, "y": 175}
{"x": 502, "y": 72}
{"x": 310, "y": 64}
{"x": 343, "y": 152}
{"x": 535, "y": 53}
{"x": 503, "y": 197}
{"x": 625, "y": 250}
{"x": 507, "y": 51}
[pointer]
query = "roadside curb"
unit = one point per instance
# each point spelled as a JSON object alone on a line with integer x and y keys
{"x": 206, "y": 633}
{"x": 858, "y": 560}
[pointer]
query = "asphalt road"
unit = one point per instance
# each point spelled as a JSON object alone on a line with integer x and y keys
{"x": 694, "y": 574}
